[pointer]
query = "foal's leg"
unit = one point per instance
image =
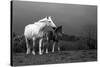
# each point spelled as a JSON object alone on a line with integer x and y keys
{"x": 58, "y": 47}
{"x": 27, "y": 46}
{"x": 46, "y": 48}
{"x": 53, "y": 46}
{"x": 43, "y": 46}
{"x": 40, "y": 46}
{"x": 33, "y": 52}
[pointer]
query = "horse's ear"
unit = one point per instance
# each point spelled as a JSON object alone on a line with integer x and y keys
{"x": 59, "y": 28}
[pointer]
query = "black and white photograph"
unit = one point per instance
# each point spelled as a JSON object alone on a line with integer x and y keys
{"x": 52, "y": 33}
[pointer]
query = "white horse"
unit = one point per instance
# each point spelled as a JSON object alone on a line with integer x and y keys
{"x": 34, "y": 31}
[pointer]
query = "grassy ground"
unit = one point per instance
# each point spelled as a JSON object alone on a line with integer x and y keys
{"x": 21, "y": 59}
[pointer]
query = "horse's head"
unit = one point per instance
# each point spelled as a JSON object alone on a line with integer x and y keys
{"x": 47, "y": 21}
{"x": 58, "y": 31}
{"x": 50, "y": 22}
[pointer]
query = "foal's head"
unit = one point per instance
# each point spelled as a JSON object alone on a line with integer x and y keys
{"x": 55, "y": 35}
{"x": 58, "y": 31}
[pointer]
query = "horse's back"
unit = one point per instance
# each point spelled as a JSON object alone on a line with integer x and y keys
{"x": 31, "y": 30}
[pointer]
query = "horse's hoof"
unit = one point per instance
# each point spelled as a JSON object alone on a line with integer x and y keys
{"x": 33, "y": 53}
{"x": 46, "y": 52}
{"x": 52, "y": 51}
{"x": 40, "y": 53}
{"x": 27, "y": 53}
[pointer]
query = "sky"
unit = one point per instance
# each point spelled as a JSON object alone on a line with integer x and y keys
{"x": 72, "y": 17}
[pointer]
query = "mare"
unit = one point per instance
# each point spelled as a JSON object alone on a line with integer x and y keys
{"x": 34, "y": 31}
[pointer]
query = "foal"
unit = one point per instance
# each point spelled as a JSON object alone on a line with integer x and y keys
{"x": 54, "y": 36}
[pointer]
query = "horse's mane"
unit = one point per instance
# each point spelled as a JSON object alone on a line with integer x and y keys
{"x": 40, "y": 21}
{"x": 58, "y": 29}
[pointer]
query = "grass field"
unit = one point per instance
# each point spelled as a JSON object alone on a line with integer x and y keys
{"x": 21, "y": 59}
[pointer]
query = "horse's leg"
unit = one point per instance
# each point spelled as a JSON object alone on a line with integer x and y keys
{"x": 58, "y": 47}
{"x": 33, "y": 52}
{"x": 43, "y": 45}
{"x": 47, "y": 46}
{"x": 53, "y": 46}
{"x": 46, "y": 50}
{"x": 40, "y": 46}
{"x": 27, "y": 46}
